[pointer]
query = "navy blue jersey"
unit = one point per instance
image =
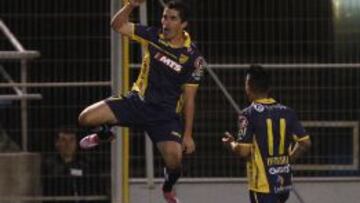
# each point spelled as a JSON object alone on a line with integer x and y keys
{"x": 270, "y": 128}
{"x": 165, "y": 68}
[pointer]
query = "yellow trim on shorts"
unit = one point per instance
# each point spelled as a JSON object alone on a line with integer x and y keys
{"x": 191, "y": 85}
{"x": 256, "y": 198}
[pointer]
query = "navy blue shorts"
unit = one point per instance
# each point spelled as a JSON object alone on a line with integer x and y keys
{"x": 258, "y": 197}
{"x": 132, "y": 111}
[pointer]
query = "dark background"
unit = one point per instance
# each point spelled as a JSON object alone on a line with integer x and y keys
{"x": 73, "y": 37}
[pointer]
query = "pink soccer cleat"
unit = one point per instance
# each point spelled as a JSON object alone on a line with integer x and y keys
{"x": 90, "y": 141}
{"x": 170, "y": 197}
{"x": 94, "y": 139}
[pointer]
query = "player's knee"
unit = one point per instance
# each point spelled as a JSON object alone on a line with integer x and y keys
{"x": 84, "y": 119}
{"x": 173, "y": 165}
{"x": 173, "y": 160}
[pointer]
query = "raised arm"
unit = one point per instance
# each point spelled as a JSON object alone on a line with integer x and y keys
{"x": 120, "y": 22}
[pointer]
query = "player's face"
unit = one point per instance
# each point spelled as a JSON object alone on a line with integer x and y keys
{"x": 66, "y": 144}
{"x": 171, "y": 24}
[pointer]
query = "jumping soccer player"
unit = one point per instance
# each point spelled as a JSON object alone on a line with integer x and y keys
{"x": 166, "y": 85}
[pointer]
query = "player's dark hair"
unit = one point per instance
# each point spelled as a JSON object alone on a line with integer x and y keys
{"x": 65, "y": 130}
{"x": 259, "y": 79}
{"x": 181, "y": 7}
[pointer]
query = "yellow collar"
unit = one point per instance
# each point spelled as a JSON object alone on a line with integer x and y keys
{"x": 265, "y": 101}
{"x": 186, "y": 44}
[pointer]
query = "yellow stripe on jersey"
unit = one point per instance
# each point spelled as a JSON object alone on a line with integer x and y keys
{"x": 137, "y": 38}
{"x": 142, "y": 41}
{"x": 142, "y": 81}
{"x": 180, "y": 104}
{"x": 282, "y": 136}
{"x": 145, "y": 42}
{"x": 270, "y": 136}
{"x": 187, "y": 41}
{"x": 257, "y": 178}
{"x": 163, "y": 50}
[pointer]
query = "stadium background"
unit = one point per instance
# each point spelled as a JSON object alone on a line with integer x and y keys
{"x": 311, "y": 49}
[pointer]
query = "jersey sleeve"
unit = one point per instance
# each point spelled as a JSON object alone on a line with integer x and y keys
{"x": 198, "y": 71}
{"x": 297, "y": 130}
{"x": 144, "y": 34}
{"x": 245, "y": 128}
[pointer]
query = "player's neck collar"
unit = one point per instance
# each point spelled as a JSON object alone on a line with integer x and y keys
{"x": 265, "y": 101}
{"x": 187, "y": 40}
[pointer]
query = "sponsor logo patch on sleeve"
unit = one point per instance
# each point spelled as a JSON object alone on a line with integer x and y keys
{"x": 199, "y": 65}
{"x": 243, "y": 124}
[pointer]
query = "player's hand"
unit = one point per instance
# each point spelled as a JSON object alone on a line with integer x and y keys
{"x": 136, "y": 2}
{"x": 227, "y": 139}
{"x": 188, "y": 145}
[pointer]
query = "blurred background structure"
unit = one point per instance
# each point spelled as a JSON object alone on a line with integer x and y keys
{"x": 311, "y": 48}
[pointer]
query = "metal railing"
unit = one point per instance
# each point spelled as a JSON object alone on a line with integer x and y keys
{"x": 22, "y": 55}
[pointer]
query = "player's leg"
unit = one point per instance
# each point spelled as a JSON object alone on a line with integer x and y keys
{"x": 167, "y": 136}
{"x": 97, "y": 114}
{"x": 258, "y": 197}
{"x": 101, "y": 116}
{"x": 171, "y": 153}
{"x": 97, "y": 119}
{"x": 283, "y": 197}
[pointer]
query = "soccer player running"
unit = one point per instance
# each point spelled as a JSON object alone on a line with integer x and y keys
{"x": 167, "y": 84}
{"x": 270, "y": 137}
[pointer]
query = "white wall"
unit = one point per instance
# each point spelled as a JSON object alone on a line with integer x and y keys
{"x": 314, "y": 191}
{"x": 19, "y": 176}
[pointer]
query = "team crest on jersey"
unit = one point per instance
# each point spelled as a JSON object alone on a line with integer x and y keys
{"x": 259, "y": 107}
{"x": 168, "y": 62}
{"x": 183, "y": 59}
